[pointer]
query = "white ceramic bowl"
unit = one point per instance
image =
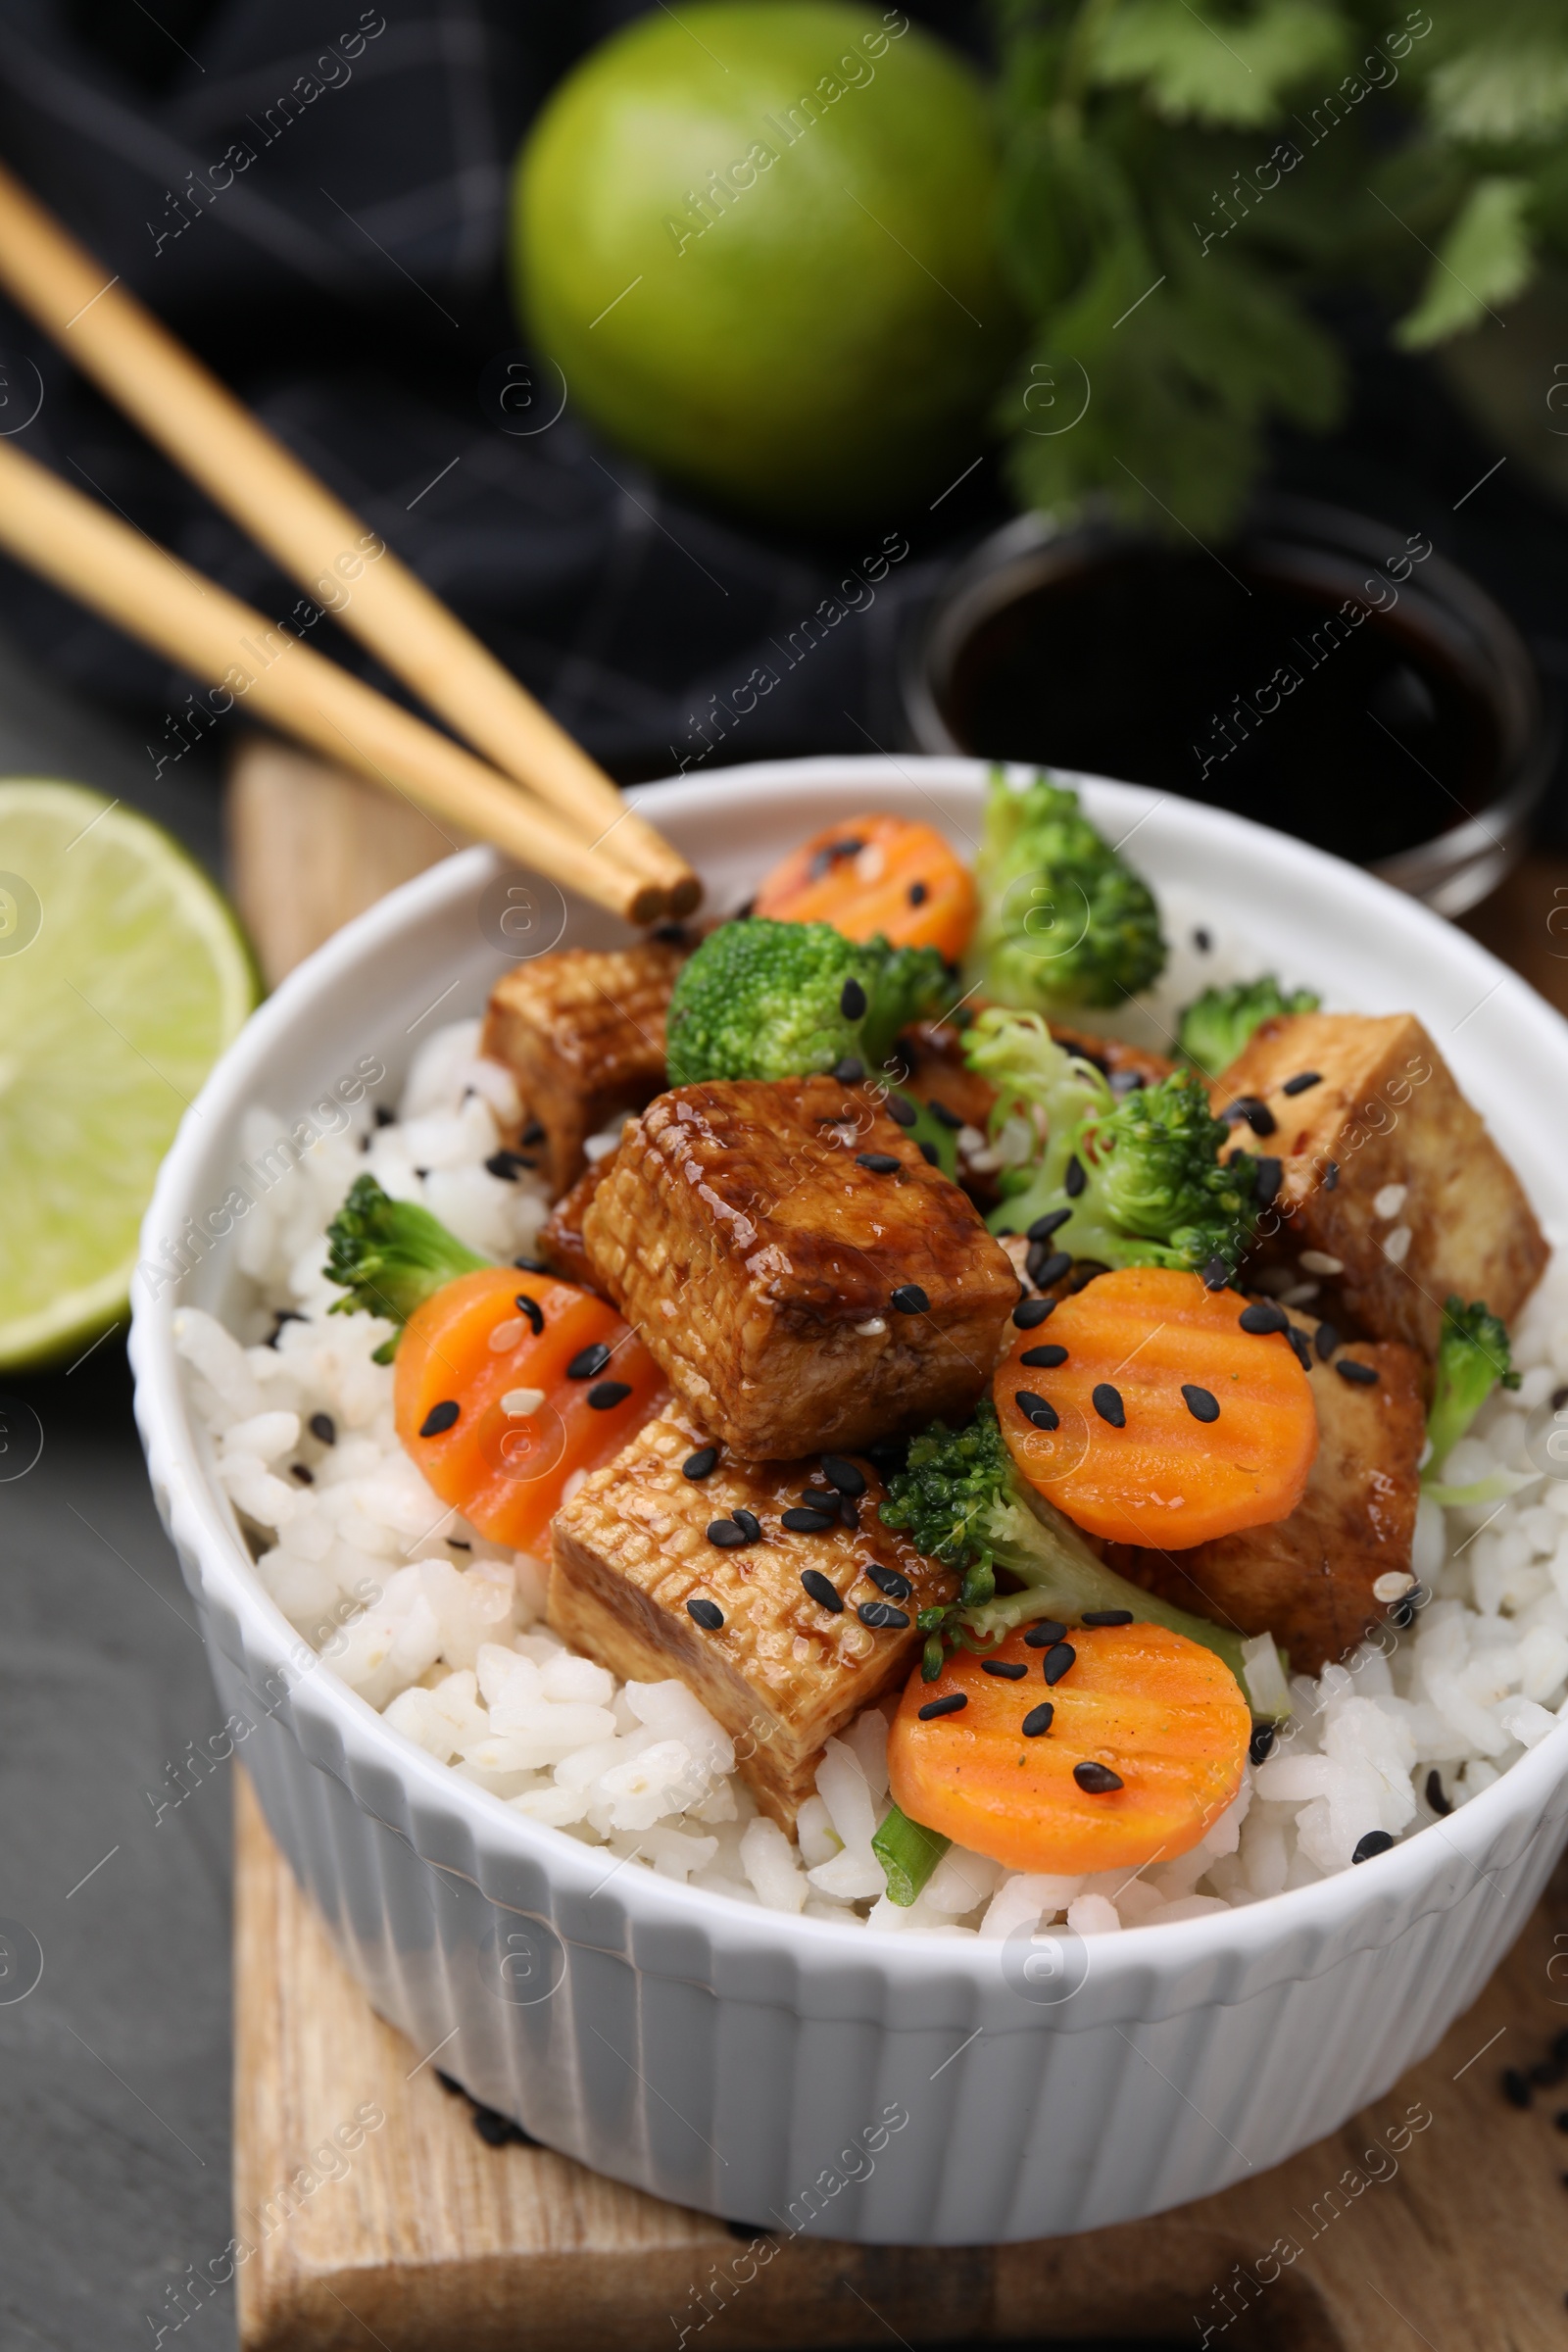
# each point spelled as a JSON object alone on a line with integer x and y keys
{"x": 790, "y": 2072}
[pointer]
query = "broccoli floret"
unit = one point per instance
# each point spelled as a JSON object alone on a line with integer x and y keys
{"x": 1217, "y": 1025}
{"x": 389, "y": 1257}
{"x": 1472, "y": 1357}
{"x": 962, "y": 1500}
{"x": 1063, "y": 920}
{"x": 1134, "y": 1182}
{"x": 766, "y": 1000}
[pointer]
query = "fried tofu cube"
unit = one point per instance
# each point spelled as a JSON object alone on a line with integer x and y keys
{"x": 1321, "y": 1579}
{"x": 560, "y": 1241}
{"x": 582, "y": 1032}
{"x": 1393, "y": 1194}
{"x": 636, "y": 1583}
{"x": 799, "y": 1272}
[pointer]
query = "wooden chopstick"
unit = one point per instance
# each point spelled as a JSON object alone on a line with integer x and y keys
{"x": 317, "y": 539}
{"x": 128, "y": 578}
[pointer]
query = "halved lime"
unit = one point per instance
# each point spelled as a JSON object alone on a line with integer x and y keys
{"x": 124, "y": 974}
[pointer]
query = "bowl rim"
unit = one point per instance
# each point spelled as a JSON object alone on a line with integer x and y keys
{"x": 1405, "y": 1881}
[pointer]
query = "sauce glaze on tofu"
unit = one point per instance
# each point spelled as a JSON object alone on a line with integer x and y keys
{"x": 801, "y": 1274}
{"x": 782, "y": 1671}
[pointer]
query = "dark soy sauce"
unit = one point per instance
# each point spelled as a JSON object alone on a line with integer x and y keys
{"x": 1160, "y": 668}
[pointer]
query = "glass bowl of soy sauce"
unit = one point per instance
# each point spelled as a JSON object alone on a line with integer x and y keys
{"x": 1323, "y": 673}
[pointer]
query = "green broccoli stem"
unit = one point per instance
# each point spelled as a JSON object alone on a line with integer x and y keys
{"x": 1472, "y": 1357}
{"x": 909, "y": 1853}
{"x": 389, "y": 1257}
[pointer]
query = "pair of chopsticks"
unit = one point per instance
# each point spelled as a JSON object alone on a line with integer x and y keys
{"x": 534, "y": 793}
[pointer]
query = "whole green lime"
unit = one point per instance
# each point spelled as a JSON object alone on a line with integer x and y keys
{"x": 760, "y": 239}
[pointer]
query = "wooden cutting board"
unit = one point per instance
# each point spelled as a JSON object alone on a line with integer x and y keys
{"x": 1447, "y": 2231}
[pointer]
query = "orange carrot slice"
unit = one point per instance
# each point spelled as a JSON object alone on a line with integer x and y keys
{"x": 1142, "y": 1747}
{"x": 486, "y": 1403}
{"x": 871, "y": 875}
{"x": 1146, "y": 1411}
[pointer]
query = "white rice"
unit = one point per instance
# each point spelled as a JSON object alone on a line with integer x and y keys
{"x": 443, "y": 1631}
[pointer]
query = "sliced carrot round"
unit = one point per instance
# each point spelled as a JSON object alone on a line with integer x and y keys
{"x": 1143, "y": 1748}
{"x": 1151, "y": 1416}
{"x": 872, "y": 875}
{"x": 508, "y": 1383}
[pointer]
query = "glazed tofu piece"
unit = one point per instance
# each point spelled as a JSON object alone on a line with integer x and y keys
{"x": 800, "y": 1273}
{"x": 1321, "y": 1579}
{"x": 582, "y": 1032}
{"x": 1394, "y": 1195}
{"x": 638, "y": 1583}
{"x": 560, "y": 1241}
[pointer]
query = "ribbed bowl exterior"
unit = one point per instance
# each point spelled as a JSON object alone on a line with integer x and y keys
{"x": 796, "y": 2073}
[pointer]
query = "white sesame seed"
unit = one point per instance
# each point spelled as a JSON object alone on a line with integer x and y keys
{"x": 1318, "y": 1261}
{"x": 1392, "y": 1584}
{"x": 506, "y": 1335}
{"x": 1301, "y": 1295}
{"x": 1396, "y": 1246}
{"x": 1389, "y": 1201}
{"x": 871, "y": 1329}
{"x": 519, "y": 1404}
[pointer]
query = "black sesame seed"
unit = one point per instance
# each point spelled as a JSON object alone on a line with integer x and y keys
{"x": 1084, "y": 1270}
{"x": 909, "y": 1300}
{"x": 880, "y": 1163}
{"x": 899, "y": 1108}
{"x": 1036, "y": 1410}
{"x": 533, "y": 1133}
{"x": 301, "y": 1471}
{"x": 707, "y": 1613}
{"x": 1107, "y": 1617}
{"x": 1300, "y": 1349}
{"x": 1326, "y": 1341}
{"x": 588, "y": 1360}
{"x": 506, "y": 1165}
{"x": 531, "y": 1266}
{"x": 725, "y": 1534}
{"x": 1560, "y": 2119}
{"x": 750, "y": 1525}
{"x": 1108, "y": 1403}
{"x": 1330, "y": 1175}
{"x": 819, "y": 1498}
{"x": 820, "y": 1590}
{"x": 1437, "y": 1795}
{"x": 1361, "y": 1376}
{"x": 1263, "y": 1317}
{"x": 440, "y": 1417}
{"x": 849, "y": 1071}
{"x": 1260, "y": 1744}
{"x": 385, "y": 1117}
{"x": 809, "y": 1522}
{"x": 1097, "y": 1779}
{"x": 843, "y": 1474}
{"x": 1515, "y": 2088}
{"x": 531, "y": 1308}
{"x": 1044, "y": 1357}
{"x": 1046, "y": 1266}
{"x": 701, "y": 1463}
{"x": 1559, "y": 1398}
{"x": 1376, "y": 1842}
{"x": 1268, "y": 1172}
{"x": 1201, "y": 941}
{"x": 853, "y": 1000}
{"x": 889, "y": 1581}
{"x": 1075, "y": 1179}
{"x": 421, "y": 1173}
{"x": 953, "y": 1704}
{"x": 882, "y": 1616}
{"x": 929, "y": 1153}
{"x": 322, "y": 1426}
{"x": 1301, "y": 1082}
{"x": 604, "y": 1394}
{"x": 1216, "y": 1275}
{"x": 1253, "y": 1110}
{"x": 1057, "y": 1661}
{"x": 1006, "y": 1670}
{"x": 849, "y": 1513}
{"x": 1043, "y": 1227}
{"x": 1030, "y": 1313}
{"x": 1201, "y": 1404}
{"x": 918, "y": 894}
{"x": 1044, "y": 1634}
{"x": 944, "y": 1115}
{"x": 1038, "y": 1720}
{"x": 284, "y": 1314}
